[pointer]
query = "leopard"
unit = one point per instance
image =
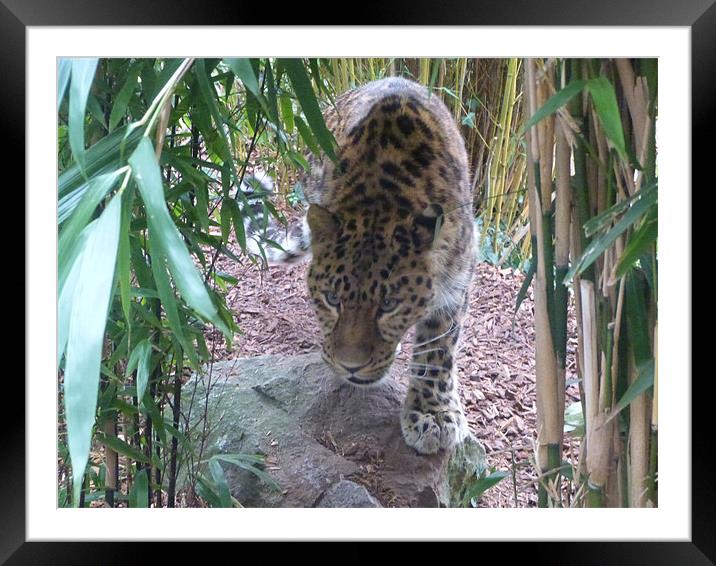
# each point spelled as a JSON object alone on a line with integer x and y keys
{"x": 389, "y": 231}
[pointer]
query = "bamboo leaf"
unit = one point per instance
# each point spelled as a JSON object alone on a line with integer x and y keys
{"x": 605, "y": 103}
{"x": 240, "y": 461}
{"x": 85, "y": 336}
{"x": 139, "y": 360}
{"x": 64, "y": 72}
{"x": 97, "y": 190}
{"x": 554, "y": 103}
{"x": 122, "y": 100}
{"x": 640, "y": 242}
{"x": 598, "y": 245}
{"x": 190, "y": 284}
{"x": 124, "y": 268}
{"x": 104, "y": 156}
{"x": 641, "y": 384}
{"x": 287, "y": 113}
{"x": 482, "y": 485}
{"x": 222, "y": 486}
{"x": 139, "y": 495}
{"x": 83, "y": 70}
{"x": 67, "y": 285}
{"x": 307, "y": 99}
{"x": 121, "y": 447}
{"x": 306, "y": 135}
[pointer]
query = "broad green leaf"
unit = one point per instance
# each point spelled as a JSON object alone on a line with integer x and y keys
{"x": 208, "y": 93}
{"x": 139, "y": 495}
{"x": 644, "y": 381}
{"x": 66, "y": 287}
{"x": 241, "y": 461}
{"x": 64, "y": 71}
{"x": 238, "y": 220}
{"x": 222, "y": 486}
{"x": 271, "y": 95}
{"x": 121, "y": 447}
{"x": 104, "y": 156}
{"x": 287, "y": 113}
{"x": 525, "y": 284}
{"x": 139, "y": 360}
{"x": 640, "y": 242}
{"x": 207, "y": 491}
{"x": 190, "y": 284}
{"x": 554, "y": 103}
{"x": 604, "y": 219}
{"x": 122, "y": 100}
{"x": 605, "y": 103}
{"x": 307, "y": 136}
{"x": 97, "y": 190}
{"x": 307, "y": 99}
{"x": 83, "y": 70}
{"x": 482, "y": 485}
{"x": 86, "y": 335}
{"x": 166, "y": 294}
{"x": 124, "y": 267}
{"x": 598, "y": 245}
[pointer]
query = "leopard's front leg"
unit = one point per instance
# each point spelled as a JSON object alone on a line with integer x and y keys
{"x": 432, "y": 416}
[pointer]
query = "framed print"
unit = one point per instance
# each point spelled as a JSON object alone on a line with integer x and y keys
{"x": 223, "y": 111}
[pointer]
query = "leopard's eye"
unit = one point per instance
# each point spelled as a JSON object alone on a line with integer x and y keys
{"x": 332, "y": 298}
{"x": 387, "y": 304}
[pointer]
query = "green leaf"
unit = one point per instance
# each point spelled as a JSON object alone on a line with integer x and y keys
{"x": 208, "y": 93}
{"x": 139, "y": 360}
{"x": 307, "y": 135}
{"x": 222, "y": 486}
{"x": 640, "y": 242}
{"x": 605, "y": 103}
{"x": 245, "y": 462}
{"x": 482, "y": 485}
{"x": 122, "y": 100}
{"x": 307, "y": 99}
{"x": 598, "y": 245}
{"x": 554, "y": 103}
{"x": 104, "y": 156}
{"x": 139, "y": 494}
{"x": 64, "y": 71}
{"x": 287, "y": 113}
{"x": 603, "y": 220}
{"x": 124, "y": 268}
{"x": 525, "y": 285}
{"x": 83, "y": 70}
{"x": 238, "y": 220}
{"x": 86, "y": 336}
{"x": 97, "y": 190}
{"x": 163, "y": 230}
{"x": 121, "y": 447}
{"x": 67, "y": 284}
{"x": 644, "y": 381}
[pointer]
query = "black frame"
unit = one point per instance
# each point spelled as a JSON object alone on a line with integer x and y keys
{"x": 699, "y": 15}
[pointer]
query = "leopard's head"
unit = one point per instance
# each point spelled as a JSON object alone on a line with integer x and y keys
{"x": 371, "y": 279}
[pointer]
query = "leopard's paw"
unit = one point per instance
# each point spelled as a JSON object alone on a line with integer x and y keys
{"x": 430, "y": 431}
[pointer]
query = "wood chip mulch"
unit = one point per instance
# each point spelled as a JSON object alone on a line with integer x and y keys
{"x": 496, "y": 361}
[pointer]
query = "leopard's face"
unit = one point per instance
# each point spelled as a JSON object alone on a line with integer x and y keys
{"x": 369, "y": 283}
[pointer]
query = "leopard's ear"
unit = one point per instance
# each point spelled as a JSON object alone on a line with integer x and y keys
{"x": 428, "y": 225}
{"x": 323, "y": 223}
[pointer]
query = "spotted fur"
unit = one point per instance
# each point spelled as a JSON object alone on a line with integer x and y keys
{"x": 392, "y": 244}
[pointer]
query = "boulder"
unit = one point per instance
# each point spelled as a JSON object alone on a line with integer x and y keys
{"x": 326, "y": 443}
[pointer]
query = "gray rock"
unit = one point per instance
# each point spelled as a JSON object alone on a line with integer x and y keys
{"x": 315, "y": 431}
{"x": 346, "y": 493}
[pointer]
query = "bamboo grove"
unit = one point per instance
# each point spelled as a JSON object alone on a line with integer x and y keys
{"x": 592, "y": 178}
{"x": 150, "y": 153}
